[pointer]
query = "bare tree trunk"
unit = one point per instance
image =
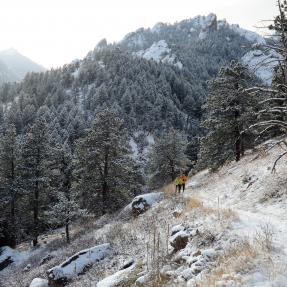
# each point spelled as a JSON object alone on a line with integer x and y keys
{"x": 13, "y": 223}
{"x": 104, "y": 198}
{"x": 67, "y": 232}
{"x": 36, "y": 214}
{"x": 238, "y": 149}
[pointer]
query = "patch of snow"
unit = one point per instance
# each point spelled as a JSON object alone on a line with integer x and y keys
{"x": 249, "y": 35}
{"x": 151, "y": 198}
{"x": 159, "y": 52}
{"x": 202, "y": 35}
{"x": 76, "y": 73}
{"x": 261, "y": 64}
{"x": 14, "y": 255}
{"x": 116, "y": 279}
{"x": 38, "y": 282}
{"x": 77, "y": 263}
{"x": 155, "y": 52}
{"x": 134, "y": 147}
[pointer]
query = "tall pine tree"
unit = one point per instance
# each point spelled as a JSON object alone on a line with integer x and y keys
{"x": 167, "y": 157}
{"x": 104, "y": 163}
{"x": 229, "y": 112}
{"x": 36, "y": 169}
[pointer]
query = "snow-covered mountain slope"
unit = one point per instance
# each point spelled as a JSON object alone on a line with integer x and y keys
{"x": 17, "y": 65}
{"x": 229, "y": 229}
{"x": 170, "y": 43}
{"x": 262, "y": 64}
{"x": 159, "y": 52}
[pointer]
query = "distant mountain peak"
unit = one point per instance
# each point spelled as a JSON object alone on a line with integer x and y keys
{"x": 11, "y": 51}
{"x": 17, "y": 64}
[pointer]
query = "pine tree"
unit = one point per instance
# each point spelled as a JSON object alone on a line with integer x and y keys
{"x": 66, "y": 207}
{"x": 9, "y": 177}
{"x": 105, "y": 163}
{"x": 229, "y": 112}
{"x": 36, "y": 168}
{"x": 167, "y": 157}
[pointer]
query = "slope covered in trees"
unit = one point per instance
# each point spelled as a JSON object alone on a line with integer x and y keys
{"x": 152, "y": 82}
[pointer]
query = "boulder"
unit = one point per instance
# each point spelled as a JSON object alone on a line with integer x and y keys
{"x": 142, "y": 203}
{"x": 46, "y": 259}
{"x": 120, "y": 278}
{"x": 179, "y": 240}
{"x": 77, "y": 264}
{"x": 39, "y": 282}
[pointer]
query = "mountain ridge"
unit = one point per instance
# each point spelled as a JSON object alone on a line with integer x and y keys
{"x": 16, "y": 66}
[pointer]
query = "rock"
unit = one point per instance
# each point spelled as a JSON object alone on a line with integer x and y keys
{"x": 177, "y": 228}
{"x": 187, "y": 274}
{"x": 165, "y": 272}
{"x": 128, "y": 263}
{"x": 179, "y": 241}
{"x": 143, "y": 202}
{"x": 197, "y": 253}
{"x": 196, "y": 270}
{"x": 120, "y": 278}
{"x": 27, "y": 268}
{"x": 209, "y": 253}
{"x": 77, "y": 264}
{"x": 39, "y": 282}
{"x": 177, "y": 213}
{"x": 47, "y": 258}
{"x": 139, "y": 206}
{"x": 143, "y": 280}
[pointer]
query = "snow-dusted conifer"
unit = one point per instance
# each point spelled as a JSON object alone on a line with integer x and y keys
{"x": 9, "y": 178}
{"x": 104, "y": 163}
{"x": 229, "y": 112}
{"x": 167, "y": 157}
{"x": 35, "y": 168}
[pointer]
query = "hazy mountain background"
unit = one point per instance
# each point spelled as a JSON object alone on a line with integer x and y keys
{"x": 14, "y": 66}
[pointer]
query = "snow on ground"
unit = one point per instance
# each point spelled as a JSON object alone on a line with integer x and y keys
{"x": 259, "y": 199}
{"x": 14, "y": 256}
{"x": 117, "y": 278}
{"x": 38, "y": 282}
{"x": 219, "y": 223}
{"x": 159, "y": 52}
{"x": 249, "y": 35}
{"x": 261, "y": 64}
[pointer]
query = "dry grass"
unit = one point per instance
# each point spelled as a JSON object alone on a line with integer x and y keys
{"x": 264, "y": 237}
{"x": 237, "y": 259}
{"x": 222, "y": 213}
{"x": 169, "y": 191}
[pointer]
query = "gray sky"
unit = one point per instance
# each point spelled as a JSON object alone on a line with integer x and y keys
{"x": 54, "y": 32}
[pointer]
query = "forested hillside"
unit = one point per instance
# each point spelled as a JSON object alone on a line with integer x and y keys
{"x": 56, "y": 144}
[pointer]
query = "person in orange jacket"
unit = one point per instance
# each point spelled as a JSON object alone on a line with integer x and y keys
{"x": 183, "y": 179}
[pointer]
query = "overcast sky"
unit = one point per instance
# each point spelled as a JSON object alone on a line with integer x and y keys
{"x": 54, "y": 32}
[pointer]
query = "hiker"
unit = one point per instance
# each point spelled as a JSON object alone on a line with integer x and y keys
{"x": 183, "y": 180}
{"x": 177, "y": 184}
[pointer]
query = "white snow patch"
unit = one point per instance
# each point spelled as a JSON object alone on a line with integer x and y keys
{"x": 261, "y": 64}
{"x": 159, "y": 52}
{"x": 134, "y": 147}
{"x": 249, "y": 35}
{"x": 16, "y": 256}
{"x": 77, "y": 263}
{"x": 39, "y": 282}
{"x": 116, "y": 278}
